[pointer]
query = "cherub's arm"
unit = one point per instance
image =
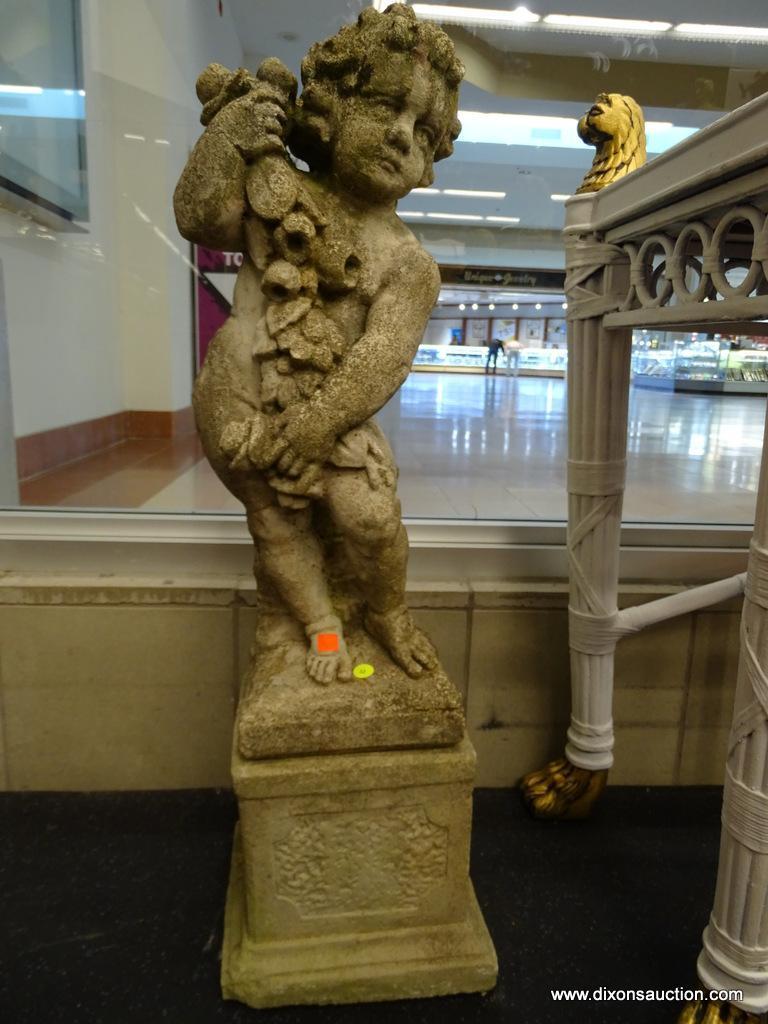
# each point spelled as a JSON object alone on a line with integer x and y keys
{"x": 374, "y": 368}
{"x": 246, "y": 118}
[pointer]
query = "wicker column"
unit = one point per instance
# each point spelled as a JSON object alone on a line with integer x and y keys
{"x": 598, "y": 396}
{"x": 735, "y": 954}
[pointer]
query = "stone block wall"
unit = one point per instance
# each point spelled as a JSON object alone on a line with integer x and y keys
{"x": 117, "y": 683}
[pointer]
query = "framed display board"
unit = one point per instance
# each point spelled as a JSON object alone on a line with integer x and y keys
{"x": 556, "y": 331}
{"x": 477, "y": 332}
{"x": 532, "y": 329}
{"x": 506, "y": 330}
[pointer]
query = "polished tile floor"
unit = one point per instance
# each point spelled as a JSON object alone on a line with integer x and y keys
{"x": 476, "y": 447}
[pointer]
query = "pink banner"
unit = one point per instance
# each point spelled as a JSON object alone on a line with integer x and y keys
{"x": 214, "y": 283}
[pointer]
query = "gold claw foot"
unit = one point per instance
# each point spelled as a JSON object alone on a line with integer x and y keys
{"x": 561, "y": 790}
{"x": 706, "y": 1012}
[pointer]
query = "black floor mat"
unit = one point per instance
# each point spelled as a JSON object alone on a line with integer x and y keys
{"x": 111, "y": 909}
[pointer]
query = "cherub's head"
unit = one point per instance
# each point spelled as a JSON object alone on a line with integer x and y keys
{"x": 379, "y": 104}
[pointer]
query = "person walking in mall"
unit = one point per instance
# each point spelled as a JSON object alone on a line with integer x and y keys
{"x": 512, "y": 352}
{"x": 494, "y": 347}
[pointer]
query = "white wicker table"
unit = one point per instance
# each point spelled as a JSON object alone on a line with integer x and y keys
{"x": 681, "y": 243}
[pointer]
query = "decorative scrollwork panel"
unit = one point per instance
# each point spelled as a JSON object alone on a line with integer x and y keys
{"x": 699, "y": 262}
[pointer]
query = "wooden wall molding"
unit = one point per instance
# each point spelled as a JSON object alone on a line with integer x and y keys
{"x": 40, "y": 452}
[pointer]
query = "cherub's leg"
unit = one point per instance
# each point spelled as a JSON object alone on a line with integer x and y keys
{"x": 377, "y": 547}
{"x": 289, "y": 554}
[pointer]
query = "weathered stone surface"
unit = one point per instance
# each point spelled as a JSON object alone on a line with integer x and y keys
{"x": 330, "y": 306}
{"x": 350, "y": 880}
{"x": 283, "y": 713}
{"x": 350, "y": 875}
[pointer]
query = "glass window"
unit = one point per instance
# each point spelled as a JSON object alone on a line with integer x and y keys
{"x": 106, "y": 311}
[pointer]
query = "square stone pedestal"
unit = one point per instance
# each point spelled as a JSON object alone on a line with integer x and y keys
{"x": 350, "y": 879}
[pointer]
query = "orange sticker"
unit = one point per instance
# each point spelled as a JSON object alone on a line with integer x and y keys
{"x": 327, "y": 643}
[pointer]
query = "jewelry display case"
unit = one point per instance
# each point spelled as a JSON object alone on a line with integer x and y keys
{"x": 684, "y": 362}
{"x": 534, "y": 362}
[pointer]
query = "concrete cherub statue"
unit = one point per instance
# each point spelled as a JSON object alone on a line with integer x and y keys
{"x": 330, "y": 304}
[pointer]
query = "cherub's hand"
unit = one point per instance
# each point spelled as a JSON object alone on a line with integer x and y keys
{"x": 299, "y": 483}
{"x": 307, "y": 484}
{"x": 252, "y": 442}
{"x": 253, "y": 112}
{"x": 290, "y": 464}
{"x": 381, "y": 473}
{"x": 308, "y": 437}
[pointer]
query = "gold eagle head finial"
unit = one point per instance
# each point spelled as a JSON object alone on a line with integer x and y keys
{"x": 616, "y": 126}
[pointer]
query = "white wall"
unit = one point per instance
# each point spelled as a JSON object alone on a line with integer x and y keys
{"x": 438, "y": 332}
{"x": 60, "y": 312}
{"x": 147, "y": 56}
{"x": 102, "y": 321}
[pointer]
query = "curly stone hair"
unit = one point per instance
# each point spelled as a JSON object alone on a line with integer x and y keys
{"x": 341, "y": 65}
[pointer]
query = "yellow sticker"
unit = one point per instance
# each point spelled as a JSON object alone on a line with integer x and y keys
{"x": 362, "y": 671}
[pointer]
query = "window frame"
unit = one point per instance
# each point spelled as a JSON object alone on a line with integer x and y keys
{"x": 58, "y": 542}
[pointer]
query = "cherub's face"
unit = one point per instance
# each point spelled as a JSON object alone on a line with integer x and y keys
{"x": 384, "y": 138}
{"x": 603, "y": 120}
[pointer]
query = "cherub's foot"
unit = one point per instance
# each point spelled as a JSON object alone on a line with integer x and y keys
{"x": 561, "y": 790}
{"x": 404, "y": 641}
{"x": 327, "y": 657}
{"x": 705, "y": 1012}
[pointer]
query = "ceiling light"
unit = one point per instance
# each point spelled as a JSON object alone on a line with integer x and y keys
{"x": 472, "y": 192}
{"x": 749, "y": 34}
{"x": 538, "y": 305}
{"x": 560, "y": 197}
{"x": 462, "y": 306}
{"x": 491, "y": 305}
{"x": 475, "y": 15}
{"x": 474, "y": 305}
{"x": 135, "y": 138}
{"x": 550, "y": 132}
{"x": 578, "y": 21}
{"x": 565, "y": 305}
{"x": 504, "y": 220}
{"x": 409, "y": 213}
{"x": 515, "y": 305}
{"x": 456, "y": 216}
{"x": 26, "y": 90}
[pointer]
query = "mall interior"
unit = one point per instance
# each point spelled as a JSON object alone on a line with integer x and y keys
{"x": 127, "y": 602}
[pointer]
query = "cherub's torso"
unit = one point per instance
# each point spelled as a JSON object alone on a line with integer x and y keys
{"x": 297, "y": 311}
{"x": 354, "y": 251}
